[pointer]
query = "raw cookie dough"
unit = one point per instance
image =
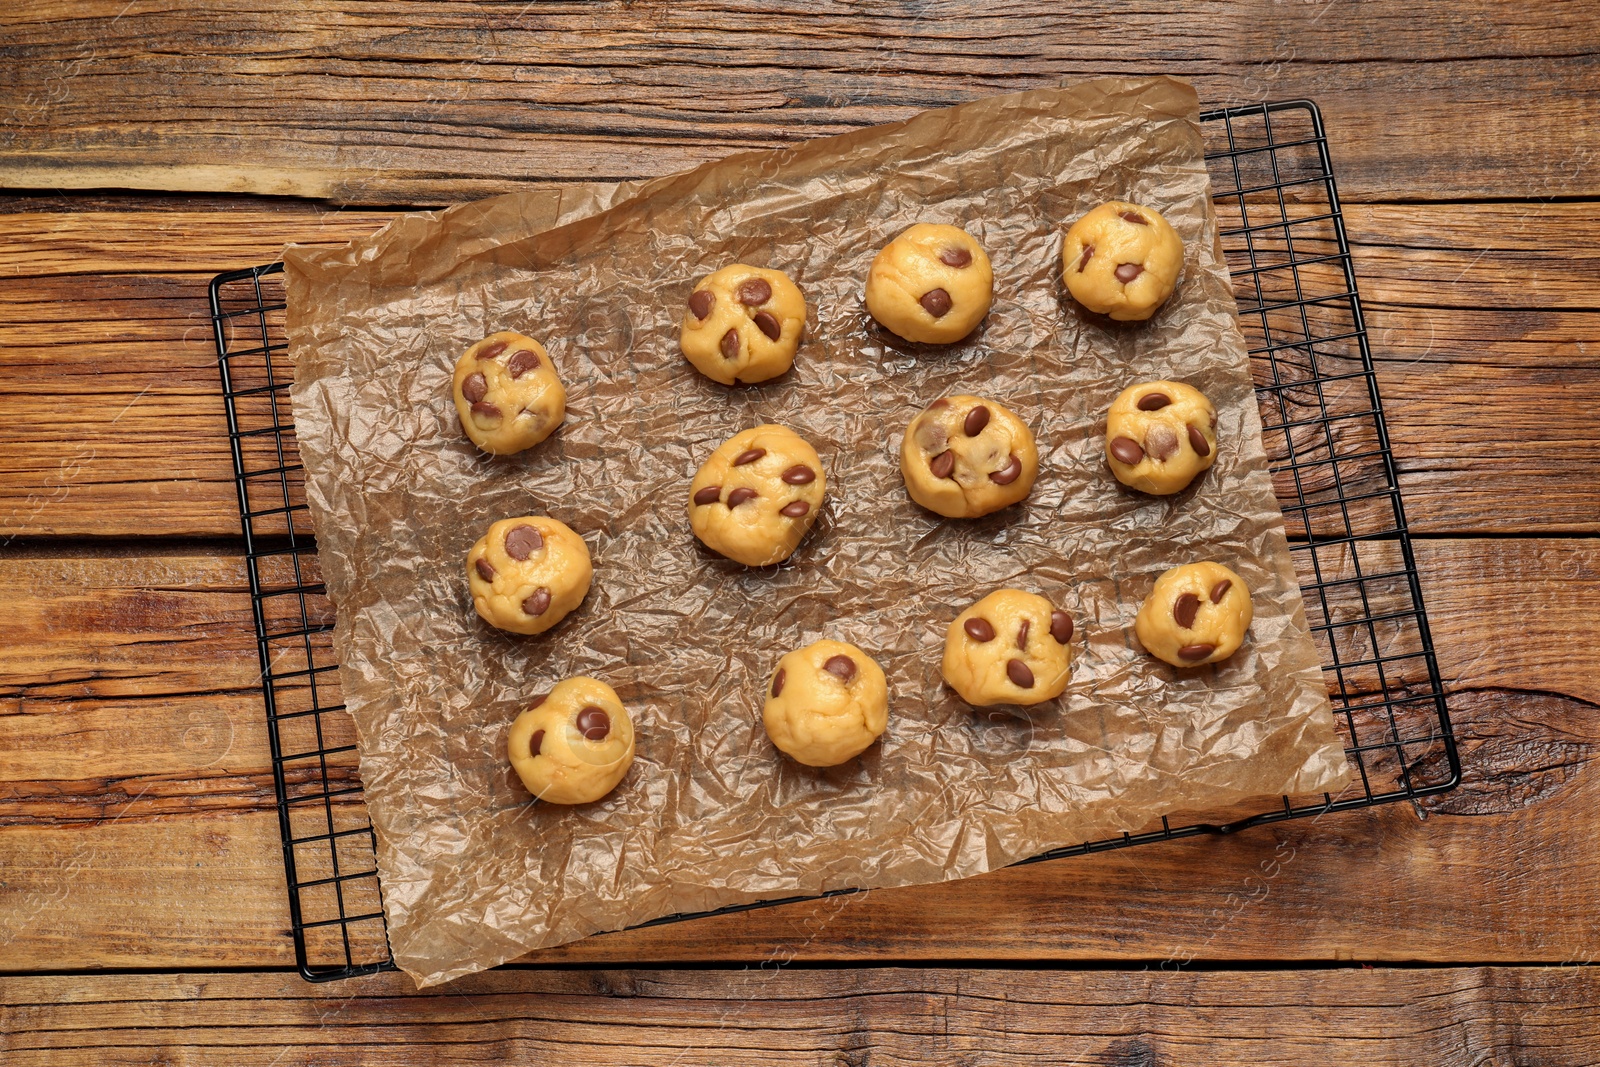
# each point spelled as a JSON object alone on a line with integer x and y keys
{"x": 507, "y": 393}
{"x": 826, "y": 703}
{"x": 1160, "y": 436}
{"x": 526, "y": 574}
{"x": 932, "y": 284}
{"x": 572, "y": 746}
{"x": 757, "y": 495}
{"x": 1121, "y": 260}
{"x": 1010, "y": 647}
{"x": 966, "y": 456}
{"x": 1197, "y": 613}
{"x": 743, "y": 325}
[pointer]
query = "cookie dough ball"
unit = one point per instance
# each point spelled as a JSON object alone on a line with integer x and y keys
{"x": 1122, "y": 260}
{"x": 966, "y": 456}
{"x": 743, "y": 325}
{"x": 527, "y": 574}
{"x": 1197, "y": 613}
{"x": 931, "y": 284}
{"x": 1160, "y": 436}
{"x": 573, "y": 746}
{"x": 507, "y": 393}
{"x": 826, "y": 703}
{"x": 1010, "y": 647}
{"x": 757, "y": 495}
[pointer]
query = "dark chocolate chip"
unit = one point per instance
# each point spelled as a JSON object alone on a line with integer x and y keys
{"x": 1061, "y": 626}
{"x": 954, "y": 256}
{"x": 794, "y": 509}
{"x": 979, "y": 629}
{"x": 778, "y": 680}
{"x": 1083, "y": 260}
{"x": 1196, "y": 651}
{"x": 523, "y": 541}
{"x": 534, "y": 742}
{"x": 754, "y": 292}
{"x": 741, "y": 495}
{"x": 841, "y": 667}
{"x": 538, "y": 700}
{"x": 1161, "y": 443}
{"x": 538, "y": 603}
{"x": 1220, "y": 590}
{"x": 701, "y": 301}
{"x": 942, "y": 402}
{"x": 943, "y": 465}
{"x": 1127, "y": 272}
{"x": 521, "y": 362}
{"x": 1126, "y": 450}
{"x": 935, "y": 302}
{"x": 729, "y": 345}
{"x": 799, "y": 474}
{"x": 1020, "y": 674}
{"x": 485, "y": 571}
{"x": 1007, "y": 474}
{"x": 474, "y": 387}
{"x": 749, "y": 455}
{"x": 1022, "y": 634}
{"x": 487, "y": 410}
{"x": 768, "y": 324}
{"x": 1197, "y": 441}
{"x": 1153, "y": 401}
{"x": 593, "y": 723}
{"x": 1184, "y": 608}
{"x": 493, "y": 350}
{"x": 709, "y": 495}
{"x": 1135, "y": 218}
{"x": 976, "y": 420}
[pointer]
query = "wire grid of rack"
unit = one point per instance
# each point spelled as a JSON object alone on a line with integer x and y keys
{"x": 1283, "y": 237}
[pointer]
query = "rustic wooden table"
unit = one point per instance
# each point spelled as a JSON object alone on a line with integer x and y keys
{"x": 142, "y": 907}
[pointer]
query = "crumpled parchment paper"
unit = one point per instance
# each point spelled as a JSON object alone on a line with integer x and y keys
{"x": 473, "y": 873}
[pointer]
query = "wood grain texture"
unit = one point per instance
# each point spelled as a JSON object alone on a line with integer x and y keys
{"x": 1444, "y": 1018}
{"x": 453, "y": 100}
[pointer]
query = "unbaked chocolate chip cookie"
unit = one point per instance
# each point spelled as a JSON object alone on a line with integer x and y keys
{"x": 966, "y": 456}
{"x": 1160, "y": 436}
{"x": 826, "y": 703}
{"x": 526, "y": 574}
{"x": 1011, "y": 647}
{"x": 743, "y": 325}
{"x": 1122, "y": 260}
{"x": 931, "y": 284}
{"x": 756, "y": 496}
{"x": 507, "y": 393}
{"x": 573, "y": 746}
{"x": 1197, "y": 613}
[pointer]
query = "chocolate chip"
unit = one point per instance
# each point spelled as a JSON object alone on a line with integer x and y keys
{"x": 935, "y": 302}
{"x": 538, "y": 603}
{"x": 954, "y": 256}
{"x": 1220, "y": 590}
{"x": 1127, "y": 272}
{"x": 701, "y": 302}
{"x": 754, "y": 292}
{"x": 1197, "y": 441}
{"x": 493, "y": 350}
{"x": 729, "y": 345}
{"x": 1083, "y": 260}
{"x": 741, "y": 495}
{"x": 768, "y": 324}
{"x": 523, "y": 541}
{"x": 795, "y": 509}
{"x": 1161, "y": 443}
{"x": 1135, "y": 218}
{"x": 942, "y": 402}
{"x": 1007, "y": 474}
{"x": 534, "y": 742}
{"x": 593, "y": 723}
{"x": 749, "y": 455}
{"x": 1061, "y": 626}
{"x": 1153, "y": 401}
{"x": 1020, "y": 674}
{"x": 709, "y": 495}
{"x": 778, "y": 680}
{"x": 943, "y": 465}
{"x": 1022, "y": 634}
{"x": 538, "y": 700}
{"x": 841, "y": 667}
{"x": 979, "y": 629}
{"x": 521, "y": 362}
{"x": 799, "y": 474}
{"x": 1196, "y": 651}
{"x": 485, "y": 571}
{"x": 976, "y": 420}
{"x": 475, "y": 387}
{"x": 485, "y": 416}
{"x": 1126, "y": 450}
{"x": 1184, "y": 608}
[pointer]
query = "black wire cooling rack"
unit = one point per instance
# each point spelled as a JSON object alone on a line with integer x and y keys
{"x": 1283, "y": 237}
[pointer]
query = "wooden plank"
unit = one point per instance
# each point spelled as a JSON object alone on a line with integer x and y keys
{"x": 108, "y": 664}
{"x": 455, "y": 101}
{"x": 1446, "y": 1018}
